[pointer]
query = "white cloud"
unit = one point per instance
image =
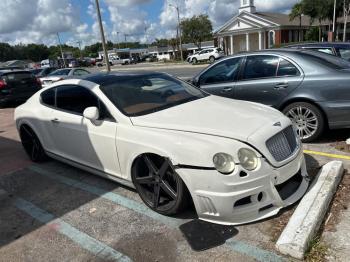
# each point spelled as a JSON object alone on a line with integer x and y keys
{"x": 27, "y": 21}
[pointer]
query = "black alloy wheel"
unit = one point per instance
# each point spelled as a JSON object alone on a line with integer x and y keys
{"x": 32, "y": 145}
{"x": 158, "y": 184}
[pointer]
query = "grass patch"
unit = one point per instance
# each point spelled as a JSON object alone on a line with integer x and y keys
{"x": 317, "y": 251}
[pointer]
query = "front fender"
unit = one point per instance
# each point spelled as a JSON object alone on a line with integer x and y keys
{"x": 182, "y": 148}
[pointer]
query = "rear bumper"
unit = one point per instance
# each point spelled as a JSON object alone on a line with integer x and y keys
{"x": 237, "y": 199}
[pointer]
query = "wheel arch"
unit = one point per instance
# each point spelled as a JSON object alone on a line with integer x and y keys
{"x": 305, "y": 100}
{"x": 22, "y": 123}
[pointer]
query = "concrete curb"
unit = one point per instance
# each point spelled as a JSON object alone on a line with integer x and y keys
{"x": 308, "y": 216}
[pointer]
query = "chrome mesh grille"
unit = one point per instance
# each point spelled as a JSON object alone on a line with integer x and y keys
{"x": 283, "y": 144}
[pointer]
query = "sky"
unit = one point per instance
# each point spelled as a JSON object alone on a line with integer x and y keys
{"x": 38, "y": 21}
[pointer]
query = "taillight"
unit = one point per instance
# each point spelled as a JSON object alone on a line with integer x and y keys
{"x": 38, "y": 82}
{"x": 3, "y": 84}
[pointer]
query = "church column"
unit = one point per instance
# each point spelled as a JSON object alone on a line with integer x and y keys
{"x": 247, "y": 42}
{"x": 261, "y": 40}
{"x": 231, "y": 45}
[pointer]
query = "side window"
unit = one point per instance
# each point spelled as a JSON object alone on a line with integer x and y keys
{"x": 224, "y": 71}
{"x": 48, "y": 97}
{"x": 286, "y": 68}
{"x": 80, "y": 72}
{"x": 344, "y": 53}
{"x": 75, "y": 99}
{"x": 260, "y": 66}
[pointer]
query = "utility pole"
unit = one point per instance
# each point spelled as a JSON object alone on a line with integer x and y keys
{"x": 179, "y": 28}
{"x": 79, "y": 43}
{"x": 334, "y": 13}
{"x": 59, "y": 43}
{"x": 103, "y": 37}
{"x": 118, "y": 40}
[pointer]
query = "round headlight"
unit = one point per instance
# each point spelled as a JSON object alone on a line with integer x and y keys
{"x": 224, "y": 163}
{"x": 248, "y": 159}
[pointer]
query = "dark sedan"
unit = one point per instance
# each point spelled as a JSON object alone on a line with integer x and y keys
{"x": 41, "y": 72}
{"x": 337, "y": 49}
{"x": 17, "y": 85}
{"x": 311, "y": 88}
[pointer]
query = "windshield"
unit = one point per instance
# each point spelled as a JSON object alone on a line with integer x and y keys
{"x": 141, "y": 95}
{"x": 60, "y": 72}
{"x": 327, "y": 60}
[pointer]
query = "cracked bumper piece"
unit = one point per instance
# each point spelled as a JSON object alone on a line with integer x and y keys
{"x": 243, "y": 196}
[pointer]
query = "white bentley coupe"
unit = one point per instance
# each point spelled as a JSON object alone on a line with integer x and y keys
{"x": 237, "y": 161}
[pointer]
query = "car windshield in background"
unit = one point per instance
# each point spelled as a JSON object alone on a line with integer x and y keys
{"x": 141, "y": 95}
{"x": 60, "y": 72}
{"x": 329, "y": 61}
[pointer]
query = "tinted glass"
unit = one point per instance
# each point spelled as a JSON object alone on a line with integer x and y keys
{"x": 330, "y": 61}
{"x": 80, "y": 72}
{"x": 60, "y": 72}
{"x": 286, "y": 68}
{"x": 261, "y": 66}
{"x": 48, "y": 97}
{"x": 140, "y": 95}
{"x": 325, "y": 50}
{"x": 224, "y": 71}
{"x": 344, "y": 53}
{"x": 75, "y": 99}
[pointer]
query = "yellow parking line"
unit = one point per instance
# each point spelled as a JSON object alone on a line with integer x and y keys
{"x": 326, "y": 154}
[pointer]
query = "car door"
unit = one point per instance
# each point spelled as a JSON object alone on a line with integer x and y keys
{"x": 77, "y": 138}
{"x": 267, "y": 79}
{"x": 203, "y": 55}
{"x": 220, "y": 78}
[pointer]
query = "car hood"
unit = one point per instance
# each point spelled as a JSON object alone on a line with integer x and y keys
{"x": 213, "y": 115}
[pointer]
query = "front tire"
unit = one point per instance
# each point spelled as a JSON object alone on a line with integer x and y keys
{"x": 307, "y": 118}
{"x": 158, "y": 184}
{"x": 32, "y": 145}
{"x": 194, "y": 61}
{"x": 211, "y": 59}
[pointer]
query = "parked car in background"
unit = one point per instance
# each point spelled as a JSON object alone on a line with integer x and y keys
{"x": 229, "y": 156}
{"x": 61, "y": 74}
{"x": 48, "y": 63}
{"x": 337, "y": 49}
{"x": 311, "y": 88}
{"x": 209, "y": 54}
{"x": 116, "y": 60}
{"x": 41, "y": 72}
{"x": 17, "y": 86}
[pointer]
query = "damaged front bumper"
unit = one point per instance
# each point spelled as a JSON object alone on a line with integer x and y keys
{"x": 243, "y": 196}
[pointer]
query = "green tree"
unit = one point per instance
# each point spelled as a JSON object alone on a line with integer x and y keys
{"x": 297, "y": 12}
{"x": 7, "y": 52}
{"x": 196, "y": 29}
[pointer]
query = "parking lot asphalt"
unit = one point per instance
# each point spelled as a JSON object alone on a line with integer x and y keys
{"x": 54, "y": 212}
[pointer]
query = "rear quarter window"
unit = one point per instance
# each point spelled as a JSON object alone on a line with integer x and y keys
{"x": 48, "y": 97}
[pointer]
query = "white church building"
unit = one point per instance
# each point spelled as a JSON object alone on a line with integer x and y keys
{"x": 251, "y": 30}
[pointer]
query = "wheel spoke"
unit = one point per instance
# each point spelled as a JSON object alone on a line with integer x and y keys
{"x": 163, "y": 168}
{"x": 167, "y": 189}
{"x": 150, "y": 165}
{"x": 156, "y": 195}
{"x": 28, "y": 132}
{"x": 145, "y": 180}
{"x": 35, "y": 149}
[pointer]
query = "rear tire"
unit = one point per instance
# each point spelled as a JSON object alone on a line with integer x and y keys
{"x": 211, "y": 59}
{"x": 32, "y": 144}
{"x": 307, "y": 118}
{"x": 158, "y": 184}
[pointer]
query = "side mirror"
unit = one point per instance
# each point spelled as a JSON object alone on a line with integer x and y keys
{"x": 91, "y": 113}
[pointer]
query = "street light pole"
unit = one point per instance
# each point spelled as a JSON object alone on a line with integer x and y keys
{"x": 103, "y": 36}
{"x": 179, "y": 29}
{"x": 334, "y": 12}
{"x": 59, "y": 43}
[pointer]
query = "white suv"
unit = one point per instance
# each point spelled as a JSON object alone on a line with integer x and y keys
{"x": 209, "y": 54}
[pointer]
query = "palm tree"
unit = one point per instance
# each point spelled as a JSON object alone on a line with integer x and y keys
{"x": 297, "y": 12}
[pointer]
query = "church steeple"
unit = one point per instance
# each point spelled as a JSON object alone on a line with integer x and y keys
{"x": 248, "y": 6}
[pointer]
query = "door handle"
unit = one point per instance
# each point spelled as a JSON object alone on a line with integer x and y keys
{"x": 55, "y": 120}
{"x": 281, "y": 86}
{"x": 226, "y": 90}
